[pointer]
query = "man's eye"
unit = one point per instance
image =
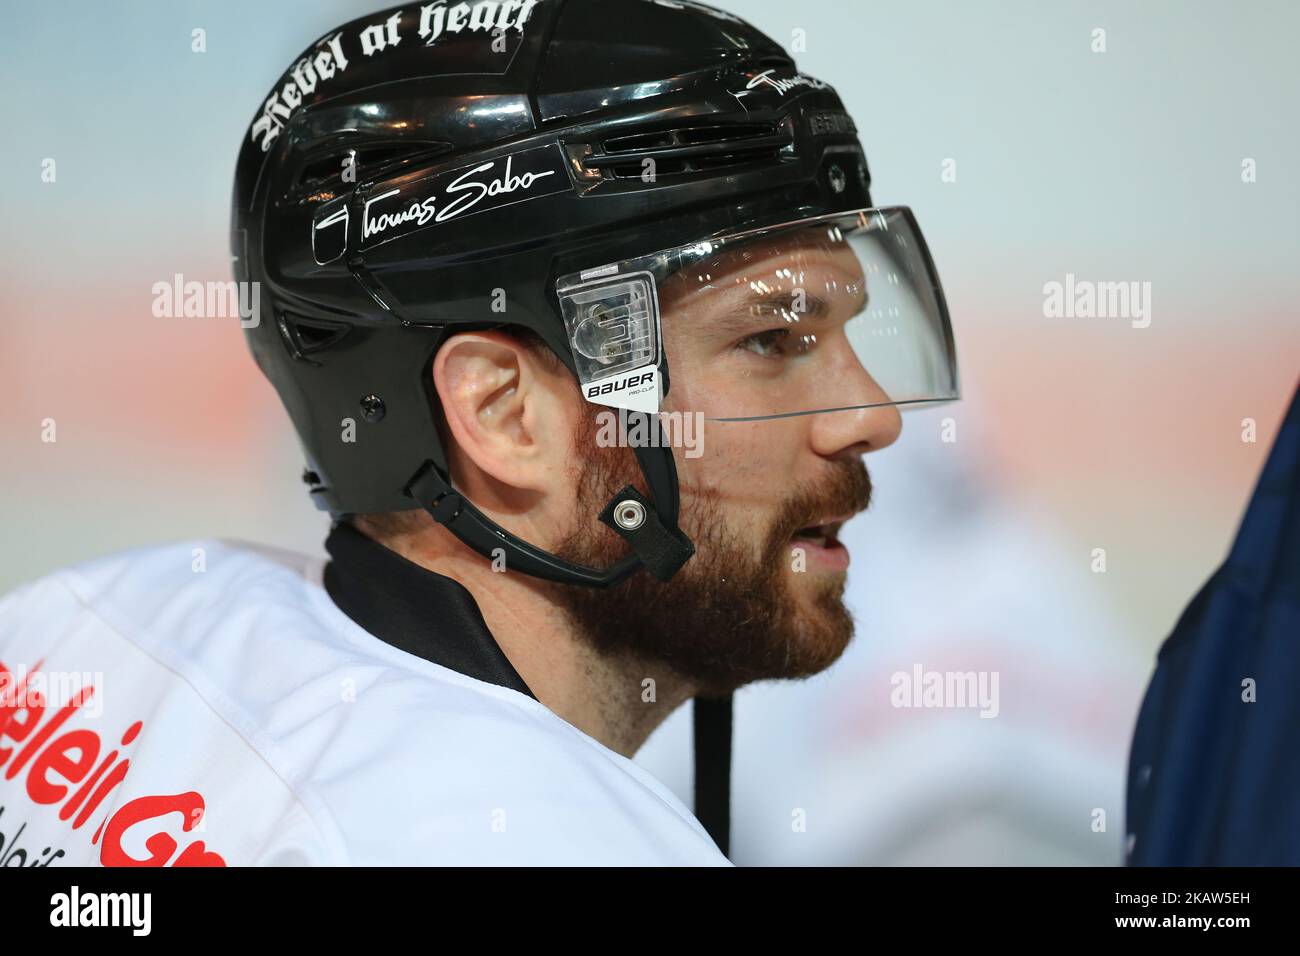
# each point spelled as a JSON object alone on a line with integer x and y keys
{"x": 778, "y": 343}
{"x": 769, "y": 344}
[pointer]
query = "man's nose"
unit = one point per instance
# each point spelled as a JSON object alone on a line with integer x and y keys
{"x": 865, "y": 423}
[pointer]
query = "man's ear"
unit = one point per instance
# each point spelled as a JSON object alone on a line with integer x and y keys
{"x": 498, "y": 399}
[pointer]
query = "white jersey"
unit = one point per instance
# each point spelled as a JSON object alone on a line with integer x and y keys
{"x": 208, "y": 704}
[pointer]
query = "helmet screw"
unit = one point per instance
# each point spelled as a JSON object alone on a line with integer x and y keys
{"x": 836, "y": 177}
{"x": 629, "y": 514}
{"x": 372, "y": 408}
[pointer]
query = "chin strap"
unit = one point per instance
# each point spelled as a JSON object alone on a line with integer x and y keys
{"x": 434, "y": 493}
{"x": 648, "y": 524}
{"x": 712, "y": 719}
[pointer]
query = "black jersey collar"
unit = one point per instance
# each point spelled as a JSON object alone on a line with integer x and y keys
{"x": 412, "y": 608}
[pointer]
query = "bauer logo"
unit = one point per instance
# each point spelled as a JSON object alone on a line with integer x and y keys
{"x": 831, "y": 123}
{"x": 637, "y": 391}
{"x": 466, "y": 191}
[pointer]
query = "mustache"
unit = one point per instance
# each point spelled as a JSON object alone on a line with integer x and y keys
{"x": 845, "y": 490}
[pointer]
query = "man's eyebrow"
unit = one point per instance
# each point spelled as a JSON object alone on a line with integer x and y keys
{"x": 772, "y": 306}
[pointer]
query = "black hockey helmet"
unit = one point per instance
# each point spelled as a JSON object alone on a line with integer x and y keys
{"x": 445, "y": 166}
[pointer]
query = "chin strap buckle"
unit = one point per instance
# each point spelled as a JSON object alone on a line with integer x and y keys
{"x": 661, "y": 550}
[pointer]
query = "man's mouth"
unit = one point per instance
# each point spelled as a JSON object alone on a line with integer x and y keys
{"x": 821, "y": 542}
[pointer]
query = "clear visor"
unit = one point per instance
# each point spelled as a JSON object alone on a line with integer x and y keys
{"x": 838, "y": 312}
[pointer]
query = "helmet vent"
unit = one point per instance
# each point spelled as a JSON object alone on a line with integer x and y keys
{"x": 684, "y": 150}
{"x": 308, "y": 336}
{"x": 321, "y": 174}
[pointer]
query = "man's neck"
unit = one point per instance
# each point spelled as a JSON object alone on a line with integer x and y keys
{"x": 618, "y": 701}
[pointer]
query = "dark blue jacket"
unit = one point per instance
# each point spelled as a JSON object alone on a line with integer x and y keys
{"x": 1214, "y": 780}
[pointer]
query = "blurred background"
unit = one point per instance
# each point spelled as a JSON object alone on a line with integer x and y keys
{"x": 1162, "y": 158}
